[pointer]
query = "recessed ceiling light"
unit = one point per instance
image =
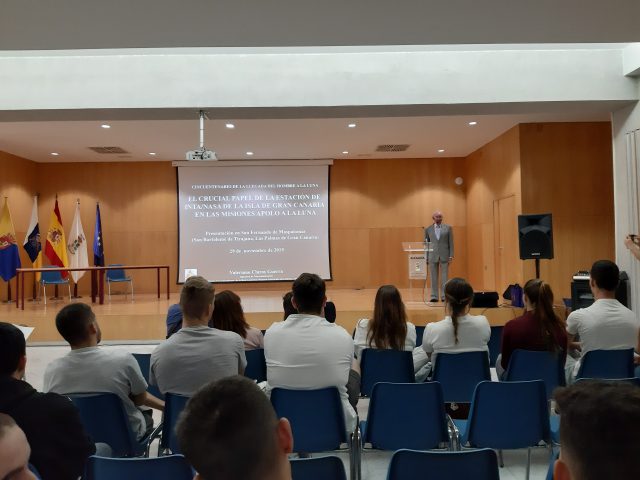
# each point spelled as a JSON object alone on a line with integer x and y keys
{"x": 229, "y": 125}
{"x": 352, "y": 125}
{"x": 55, "y": 154}
{"x": 104, "y": 125}
{"x": 152, "y": 153}
{"x": 249, "y": 153}
{"x": 345, "y": 152}
{"x": 472, "y": 123}
{"x": 441, "y": 150}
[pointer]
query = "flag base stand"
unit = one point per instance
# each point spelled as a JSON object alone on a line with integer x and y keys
{"x": 6, "y": 302}
{"x": 33, "y": 300}
{"x": 55, "y": 298}
{"x": 76, "y": 296}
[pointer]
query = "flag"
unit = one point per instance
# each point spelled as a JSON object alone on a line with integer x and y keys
{"x": 9, "y": 254}
{"x": 77, "y": 246}
{"x": 98, "y": 245}
{"x": 55, "y": 247}
{"x": 32, "y": 244}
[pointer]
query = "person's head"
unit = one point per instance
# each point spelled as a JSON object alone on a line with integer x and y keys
{"x": 174, "y": 319}
{"x": 77, "y": 324}
{"x": 437, "y": 217}
{"x": 388, "y": 327}
{"x": 309, "y": 294}
{"x": 229, "y": 431}
{"x": 458, "y": 295}
{"x": 330, "y": 312}
{"x": 598, "y": 431}
{"x": 13, "y": 351}
{"x": 14, "y": 451}
{"x": 196, "y": 300}
{"x": 538, "y": 298}
{"x": 228, "y": 314}
{"x": 605, "y": 277}
{"x": 287, "y": 305}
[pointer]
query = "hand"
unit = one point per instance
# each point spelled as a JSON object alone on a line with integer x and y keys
{"x": 628, "y": 242}
{"x": 575, "y": 346}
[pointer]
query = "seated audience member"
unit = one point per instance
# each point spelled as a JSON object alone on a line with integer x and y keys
{"x": 174, "y": 319}
{"x": 538, "y": 329}
{"x": 388, "y": 328}
{"x": 287, "y": 305}
{"x": 330, "y": 313}
{"x": 458, "y": 332}
{"x": 229, "y": 431}
{"x": 598, "y": 431}
{"x": 197, "y": 354}
{"x": 605, "y": 325}
{"x": 228, "y": 315}
{"x": 306, "y": 352}
{"x": 90, "y": 368}
{"x": 51, "y": 423}
{"x": 14, "y": 451}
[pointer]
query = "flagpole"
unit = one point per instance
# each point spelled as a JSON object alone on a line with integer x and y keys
{"x": 75, "y": 284}
{"x": 34, "y": 296}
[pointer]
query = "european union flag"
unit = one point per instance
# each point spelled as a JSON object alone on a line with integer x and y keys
{"x": 98, "y": 244}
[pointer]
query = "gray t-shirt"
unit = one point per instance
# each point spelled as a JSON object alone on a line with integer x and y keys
{"x": 195, "y": 356}
{"x": 95, "y": 369}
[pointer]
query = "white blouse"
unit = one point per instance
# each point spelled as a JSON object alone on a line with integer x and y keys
{"x": 362, "y": 329}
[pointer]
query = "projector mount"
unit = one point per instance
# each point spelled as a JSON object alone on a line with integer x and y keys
{"x": 201, "y": 153}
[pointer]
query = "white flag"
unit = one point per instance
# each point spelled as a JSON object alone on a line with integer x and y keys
{"x": 77, "y": 246}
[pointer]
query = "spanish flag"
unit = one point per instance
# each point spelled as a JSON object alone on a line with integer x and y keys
{"x": 56, "y": 246}
{"x": 9, "y": 254}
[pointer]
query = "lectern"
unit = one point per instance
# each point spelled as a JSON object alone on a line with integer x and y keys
{"x": 417, "y": 256}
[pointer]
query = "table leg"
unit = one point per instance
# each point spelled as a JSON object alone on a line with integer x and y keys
{"x": 93, "y": 286}
{"x": 21, "y": 287}
{"x": 17, "y": 290}
{"x": 167, "y": 283}
{"x": 101, "y": 286}
{"x": 158, "y": 280}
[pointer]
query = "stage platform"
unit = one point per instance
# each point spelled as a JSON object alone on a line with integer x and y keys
{"x": 144, "y": 318}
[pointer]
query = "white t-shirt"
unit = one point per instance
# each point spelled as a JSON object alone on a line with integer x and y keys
{"x": 473, "y": 335}
{"x": 605, "y": 325}
{"x": 306, "y": 352}
{"x": 362, "y": 329}
{"x": 99, "y": 370}
{"x": 195, "y": 356}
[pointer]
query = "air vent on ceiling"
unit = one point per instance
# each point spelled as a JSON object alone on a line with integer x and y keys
{"x": 392, "y": 148}
{"x": 108, "y": 150}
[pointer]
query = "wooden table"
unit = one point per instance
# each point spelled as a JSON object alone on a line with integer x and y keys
{"x": 97, "y": 278}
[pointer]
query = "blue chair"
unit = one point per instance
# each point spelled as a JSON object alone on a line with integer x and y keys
{"x": 459, "y": 373}
{"x": 535, "y": 365}
{"x": 105, "y": 420}
{"x": 52, "y": 278}
{"x": 117, "y": 275}
{"x": 607, "y": 364}
{"x": 173, "y": 406}
{"x": 379, "y": 365}
{"x": 476, "y": 464}
{"x": 173, "y": 467}
{"x": 507, "y": 415}
{"x": 144, "y": 361}
{"x": 495, "y": 344}
{"x": 256, "y": 365}
{"x": 406, "y": 415}
{"x": 317, "y": 422}
{"x": 319, "y": 468}
{"x": 419, "y": 335}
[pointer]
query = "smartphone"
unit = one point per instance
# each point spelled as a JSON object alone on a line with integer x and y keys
{"x": 633, "y": 236}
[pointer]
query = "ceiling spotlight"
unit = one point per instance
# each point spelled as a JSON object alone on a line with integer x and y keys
{"x": 55, "y": 154}
{"x": 104, "y": 125}
{"x": 229, "y": 125}
{"x": 441, "y": 150}
{"x": 472, "y": 123}
{"x": 352, "y": 125}
{"x": 249, "y": 153}
{"x": 345, "y": 152}
{"x": 152, "y": 154}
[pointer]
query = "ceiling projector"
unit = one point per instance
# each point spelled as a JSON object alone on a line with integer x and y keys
{"x": 201, "y": 154}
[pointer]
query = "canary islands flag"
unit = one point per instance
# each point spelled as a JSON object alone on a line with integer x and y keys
{"x": 9, "y": 254}
{"x": 31, "y": 243}
{"x": 56, "y": 246}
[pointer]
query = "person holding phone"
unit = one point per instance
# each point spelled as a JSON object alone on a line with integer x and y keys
{"x": 632, "y": 242}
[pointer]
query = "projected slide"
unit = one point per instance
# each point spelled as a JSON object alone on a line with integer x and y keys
{"x": 252, "y": 223}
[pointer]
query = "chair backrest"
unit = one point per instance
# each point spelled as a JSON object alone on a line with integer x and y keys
{"x": 479, "y": 464}
{"x": 459, "y": 373}
{"x": 51, "y": 277}
{"x": 173, "y": 406}
{"x": 607, "y": 364}
{"x": 495, "y": 344}
{"x": 105, "y": 420}
{"x": 531, "y": 365}
{"x": 171, "y": 467}
{"x": 318, "y": 468}
{"x": 406, "y": 415}
{"x": 256, "y": 365}
{"x": 379, "y": 365}
{"x": 419, "y": 334}
{"x": 508, "y": 415}
{"x": 144, "y": 361}
{"x": 117, "y": 274}
{"x": 316, "y": 417}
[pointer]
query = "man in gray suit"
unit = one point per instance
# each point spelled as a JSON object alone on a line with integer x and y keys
{"x": 441, "y": 237}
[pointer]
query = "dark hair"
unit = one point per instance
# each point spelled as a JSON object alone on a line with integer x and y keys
{"x": 12, "y": 348}
{"x": 599, "y": 428}
{"x": 309, "y": 293}
{"x": 388, "y": 327}
{"x": 330, "y": 312}
{"x": 605, "y": 274}
{"x": 458, "y": 294}
{"x": 228, "y": 431}
{"x": 73, "y": 321}
{"x": 287, "y": 306}
{"x": 228, "y": 314}
{"x": 196, "y": 297}
{"x": 541, "y": 297}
